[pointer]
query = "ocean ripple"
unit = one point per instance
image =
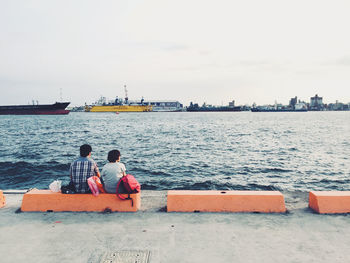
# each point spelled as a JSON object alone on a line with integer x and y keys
{"x": 222, "y": 151}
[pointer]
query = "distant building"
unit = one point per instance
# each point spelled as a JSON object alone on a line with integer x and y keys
{"x": 338, "y": 106}
{"x": 293, "y": 102}
{"x": 164, "y": 105}
{"x": 316, "y": 103}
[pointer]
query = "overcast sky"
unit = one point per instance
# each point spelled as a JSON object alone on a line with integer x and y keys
{"x": 210, "y": 51}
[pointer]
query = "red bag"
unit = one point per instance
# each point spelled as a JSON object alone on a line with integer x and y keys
{"x": 130, "y": 184}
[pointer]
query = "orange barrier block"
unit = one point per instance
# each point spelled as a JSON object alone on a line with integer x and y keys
{"x": 225, "y": 201}
{"x": 2, "y": 199}
{"x": 45, "y": 200}
{"x": 330, "y": 202}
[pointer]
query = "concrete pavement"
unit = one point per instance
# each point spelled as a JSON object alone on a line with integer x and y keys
{"x": 298, "y": 236}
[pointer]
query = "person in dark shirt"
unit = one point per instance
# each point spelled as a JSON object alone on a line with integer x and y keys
{"x": 82, "y": 169}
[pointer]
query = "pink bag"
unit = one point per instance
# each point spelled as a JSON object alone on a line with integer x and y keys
{"x": 93, "y": 186}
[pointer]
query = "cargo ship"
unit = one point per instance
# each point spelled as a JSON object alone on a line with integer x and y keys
{"x": 209, "y": 108}
{"x": 118, "y": 105}
{"x": 276, "y": 110}
{"x": 57, "y": 108}
{"x": 118, "y": 108}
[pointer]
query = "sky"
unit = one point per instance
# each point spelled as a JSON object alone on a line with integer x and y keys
{"x": 212, "y": 51}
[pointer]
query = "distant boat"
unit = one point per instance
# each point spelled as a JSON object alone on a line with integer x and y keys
{"x": 118, "y": 108}
{"x": 118, "y": 105}
{"x": 209, "y": 108}
{"x": 215, "y": 108}
{"x": 276, "y": 110}
{"x": 57, "y": 108}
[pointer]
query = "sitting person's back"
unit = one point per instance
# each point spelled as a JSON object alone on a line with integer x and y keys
{"x": 82, "y": 169}
{"x": 112, "y": 172}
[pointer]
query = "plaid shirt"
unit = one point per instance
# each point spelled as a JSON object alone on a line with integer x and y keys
{"x": 81, "y": 170}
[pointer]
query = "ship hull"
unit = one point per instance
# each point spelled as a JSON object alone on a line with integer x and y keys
{"x": 58, "y": 108}
{"x": 215, "y": 109}
{"x": 27, "y": 112}
{"x": 120, "y": 108}
{"x": 270, "y": 110}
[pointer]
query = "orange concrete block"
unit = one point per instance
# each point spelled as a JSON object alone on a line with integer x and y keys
{"x": 225, "y": 201}
{"x": 330, "y": 202}
{"x": 45, "y": 200}
{"x": 2, "y": 199}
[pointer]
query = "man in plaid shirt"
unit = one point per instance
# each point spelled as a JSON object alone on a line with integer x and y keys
{"x": 82, "y": 169}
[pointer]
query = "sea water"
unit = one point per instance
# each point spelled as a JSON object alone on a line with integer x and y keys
{"x": 295, "y": 151}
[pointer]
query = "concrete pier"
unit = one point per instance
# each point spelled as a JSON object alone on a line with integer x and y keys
{"x": 297, "y": 236}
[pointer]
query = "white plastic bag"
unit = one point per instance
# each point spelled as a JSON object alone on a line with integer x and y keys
{"x": 55, "y": 186}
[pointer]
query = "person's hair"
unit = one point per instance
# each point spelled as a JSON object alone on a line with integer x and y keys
{"x": 85, "y": 150}
{"x": 113, "y": 156}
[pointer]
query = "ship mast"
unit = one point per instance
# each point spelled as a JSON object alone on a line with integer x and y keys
{"x": 126, "y": 95}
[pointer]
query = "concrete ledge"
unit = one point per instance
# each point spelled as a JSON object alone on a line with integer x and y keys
{"x": 225, "y": 201}
{"x": 330, "y": 202}
{"x": 2, "y": 199}
{"x": 45, "y": 200}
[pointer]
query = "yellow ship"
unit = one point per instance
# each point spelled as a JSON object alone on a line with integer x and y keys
{"x": 118, "y": 105}
{"x": 118, "y": 108}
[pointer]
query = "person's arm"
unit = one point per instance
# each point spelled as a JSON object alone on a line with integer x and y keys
{"x": 70, "y": 172}
{"x": 96, "y": 171}
{"x": 124, "y": 170}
